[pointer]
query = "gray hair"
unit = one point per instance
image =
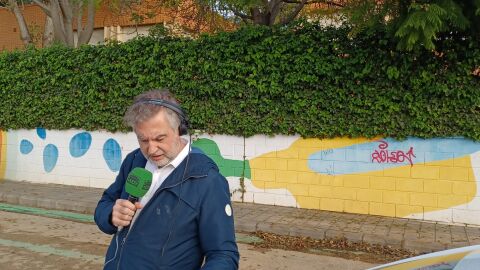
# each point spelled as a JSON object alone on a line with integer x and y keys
{"x": 139, "y": 112}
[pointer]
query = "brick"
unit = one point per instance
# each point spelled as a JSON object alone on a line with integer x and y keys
{"x": 298, "y": 189}
{"x": 276, "y": 164}
{"x": 332, "y": 204}
{"x": 321, "y": 191}
{"x": 359, "y": 181}
{"x": 462, "y": 162}
{"x": 454, "y": 173}
{"x": 338, "y": 181}
{"x": 308, "y": 202}
{"x": 396, "y": 197}
{"x": 369, "y": 195}
{"x": 409, "y": 185}
{"x": 291, "y": 153}
{"x": 294, "y": 164}
{"x": 425, "y": 172}
{"x": 447, "y": 201}
{"x": 274, "y": 185}
{"x": 382, "y": 209}
{"x": 356, "y": 207}
{"x": 264, "y": 175}
{"x": 326, "y": 180}
{"x": 400, "y": 172}
{"x": 308, "y": 178}
{"x": 437, "y": 186}
{"x": 423, "y": 199}
{"x": 464, "y": 188}
{"x": 258, "y": 163}
{"x": 345, "y": 193}
{"x": 286, "y": 176}
{"x": 382, "y": 183}
{"x": 405, "y": 210}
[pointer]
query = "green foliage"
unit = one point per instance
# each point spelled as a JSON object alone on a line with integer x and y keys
{"x": 302, "y": 79}
{"x": 416, "y": 24}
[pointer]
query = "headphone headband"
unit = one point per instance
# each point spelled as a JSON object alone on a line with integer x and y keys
{"x": 183, "y": 129}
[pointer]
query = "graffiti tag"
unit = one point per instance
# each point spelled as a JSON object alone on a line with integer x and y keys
{"x": 383, "y": 155}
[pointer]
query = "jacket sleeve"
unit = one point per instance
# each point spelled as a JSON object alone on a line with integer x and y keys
{"x": 216, "y": 226}
{"x": 103, "y": 211}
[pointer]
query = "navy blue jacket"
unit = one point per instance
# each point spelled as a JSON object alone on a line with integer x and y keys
{"x": 184, "y": 226}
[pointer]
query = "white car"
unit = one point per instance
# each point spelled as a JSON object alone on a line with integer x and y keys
{"x": 465, "y": 258}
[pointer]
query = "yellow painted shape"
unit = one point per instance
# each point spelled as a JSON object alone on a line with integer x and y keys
{"x": 399, "y": 191}
{"x": 3, "y": 153}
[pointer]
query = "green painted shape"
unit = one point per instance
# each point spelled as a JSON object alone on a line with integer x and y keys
{"x": 46, "y": 213}
{"x": 46, "y": 249}
{"x": 247, "y": 239}
{"x": 228, "y": 167}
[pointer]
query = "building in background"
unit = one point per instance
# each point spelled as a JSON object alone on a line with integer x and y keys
{"x": 111, "y": 23}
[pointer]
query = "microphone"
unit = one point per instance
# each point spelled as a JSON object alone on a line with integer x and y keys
{"x": 137, "y": 185}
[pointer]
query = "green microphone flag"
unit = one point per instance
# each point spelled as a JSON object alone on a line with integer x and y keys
{"x": 137, "y": 184}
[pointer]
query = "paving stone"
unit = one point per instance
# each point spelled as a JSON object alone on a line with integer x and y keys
{"x": 351, "y": 236}
{"x": 423, "y": 236}
{"x": 308, "y": 232}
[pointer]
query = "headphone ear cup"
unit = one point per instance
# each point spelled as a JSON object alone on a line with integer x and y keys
{"x": 183, "y": 128}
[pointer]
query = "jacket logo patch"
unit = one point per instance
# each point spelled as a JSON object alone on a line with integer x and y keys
{"x": 228, "y": 210}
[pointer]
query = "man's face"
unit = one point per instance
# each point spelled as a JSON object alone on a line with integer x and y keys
{"x": 158, "y": 142}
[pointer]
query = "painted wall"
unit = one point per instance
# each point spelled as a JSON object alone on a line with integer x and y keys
{"x": 434, "y": 179}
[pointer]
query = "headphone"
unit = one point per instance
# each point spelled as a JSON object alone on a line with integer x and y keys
{"x": 184, "y": 125}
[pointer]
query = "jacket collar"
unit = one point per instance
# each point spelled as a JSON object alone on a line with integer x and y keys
{"x": 195, "y": 165}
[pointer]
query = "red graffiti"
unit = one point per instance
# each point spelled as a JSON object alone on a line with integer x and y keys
{"x": 385, "y": 156}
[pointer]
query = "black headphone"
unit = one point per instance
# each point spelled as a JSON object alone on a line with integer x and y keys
{"x": 184, "y": 125}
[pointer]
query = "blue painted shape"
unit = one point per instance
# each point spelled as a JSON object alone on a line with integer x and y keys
{"x": 112, "y": 153}
{"x": 80, "y": 143}
{"x": 42, "y": 133}
{"x": 26, "y": 147}
{"x": 359, "y": 157}
{"x": 50, "y": 157}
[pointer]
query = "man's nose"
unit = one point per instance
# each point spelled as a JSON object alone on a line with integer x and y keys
{"x": 152, "y": 147}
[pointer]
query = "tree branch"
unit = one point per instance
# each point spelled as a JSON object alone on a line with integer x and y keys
{"x": 239, "y": 14}
{"x": 294, "y": 13}
{"x": 24, "y": 33}
{"x": 43, "y": 7}
{"x": 331, "y": 3}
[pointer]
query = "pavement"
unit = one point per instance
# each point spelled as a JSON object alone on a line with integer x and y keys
{"x": 410, "y": 234}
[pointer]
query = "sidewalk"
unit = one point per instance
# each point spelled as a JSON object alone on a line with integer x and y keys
{"x": 414, "y": 235}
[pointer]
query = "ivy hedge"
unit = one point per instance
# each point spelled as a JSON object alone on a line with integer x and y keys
{"x": 303, "y": 79}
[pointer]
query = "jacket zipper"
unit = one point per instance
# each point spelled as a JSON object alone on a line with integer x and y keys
{"x": 154, "y": 195}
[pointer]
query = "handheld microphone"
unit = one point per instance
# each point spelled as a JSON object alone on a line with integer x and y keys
{"x": 137, "y": 185}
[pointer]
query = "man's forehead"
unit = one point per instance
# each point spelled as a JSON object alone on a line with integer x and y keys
{"x": 150, "y": 133}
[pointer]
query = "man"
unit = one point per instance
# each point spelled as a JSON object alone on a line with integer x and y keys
{"x": 185, "y": 219}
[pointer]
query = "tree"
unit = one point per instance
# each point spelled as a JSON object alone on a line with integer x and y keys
{"x": 258, "y": 12}
{"x": 270, "y": 12}
{"x": 64, "y": 18}
{"x": 416, "y": 23}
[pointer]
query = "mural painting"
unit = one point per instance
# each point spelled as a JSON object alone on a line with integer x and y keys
{"x": 379, "y": 176}
{"x": 434, "y": 179}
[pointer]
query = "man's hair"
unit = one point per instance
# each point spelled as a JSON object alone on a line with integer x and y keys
{"x": 139, "y": 111}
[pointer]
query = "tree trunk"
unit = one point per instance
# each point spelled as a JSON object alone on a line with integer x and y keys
{"x": 48, "y": 35}
{"x": 24, "y": 33}
{"x": 85, "y": 33}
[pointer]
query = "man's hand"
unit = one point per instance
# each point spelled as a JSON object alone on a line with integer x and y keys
{"x": 123, "y": 212}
